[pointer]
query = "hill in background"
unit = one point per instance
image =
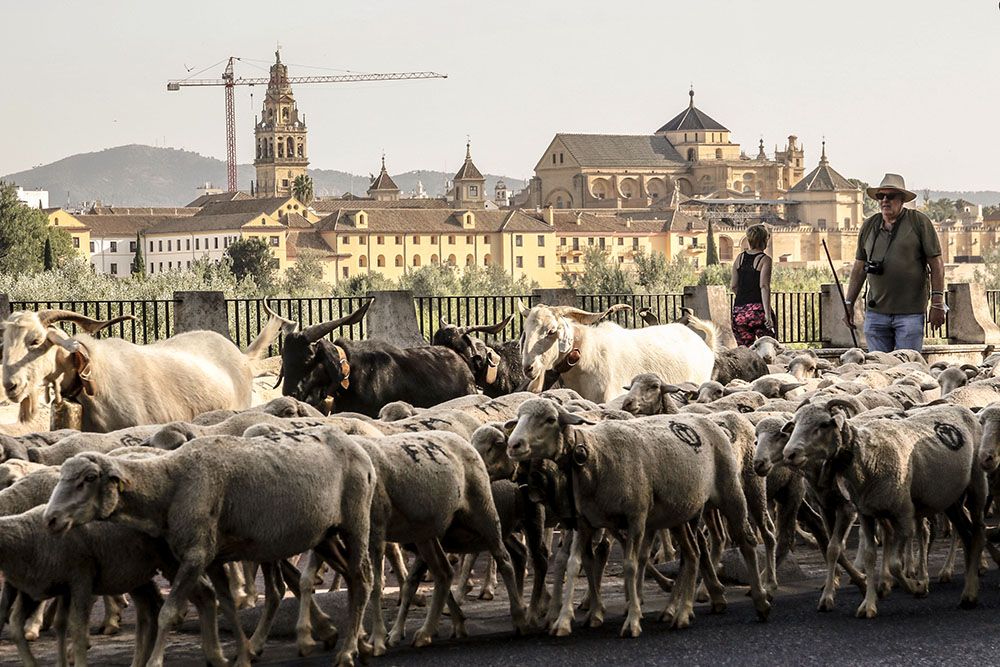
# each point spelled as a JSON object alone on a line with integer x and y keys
{"x": 138, "y": 175}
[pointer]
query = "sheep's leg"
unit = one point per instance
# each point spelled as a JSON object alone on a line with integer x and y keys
{"x": 630, "y": 565}
{"x": 463, "y": 579}
{"x": 971, "y": 533}
{"x": 41, "y": 618}
{"x": 272, "y": 598}
{"x": 682, "y": 597}
{"x": 406, "y": 594}
{"x": 735, "y": 511}
{"x": 869, "y": 607}
{"x": 595, "y": 560}
{"x": 249, "y": 583}
{"x": 898, "y": 543}
{"x": 487, "y": 590}
{"x": 834, "y": 554}
{"x": 666, "y": 552}
{"x": 442, "y": 573}
{"x": 563, "y": 624}
{"x": 519, "y": 561}
{"x": 785, "y": 522}
{"x": 558, "y": 577}
{"x": 183, "y": 585}
{"x": 60, "y": 625}
{"x": 77, "y": 613}
{"x": 218, "y": 575}
{"x": 948, "y": 569}
{"x": 494, "y": 542}
{"x": 756, "y": 496}
{"x": 710, "y": 576}
{"x": 147, "y": 601}
{"x": 358, "y": 574}
{"x": 204, "y": 600}
{"x": 303, "y": 625}
{"x": 538, "y": 549}
{"x": 111, "y": 623}
{"x": 376, "y": 553}
{"x": 923, "y": 545}
{"x": 21, "y": 609}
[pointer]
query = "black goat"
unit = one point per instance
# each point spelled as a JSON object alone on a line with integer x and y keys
{"x": 497, "y": 369}
{"x": 738, "y": 363}
{"x": 362, "y": 376}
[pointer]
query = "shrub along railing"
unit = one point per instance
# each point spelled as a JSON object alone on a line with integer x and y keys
{"x": 153, "y": 317}
{"x": 247, "y": 316}
{"x": 470, "y": 311}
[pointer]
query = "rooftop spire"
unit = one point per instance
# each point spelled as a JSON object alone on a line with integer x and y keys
{"x": 691, "y": 95}
{"x": 822, "y": 158}
{"x": 468, "y": 148}
{"x": 761, "y": 155}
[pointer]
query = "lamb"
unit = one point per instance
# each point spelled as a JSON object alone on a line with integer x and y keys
{"x": 900, "y": 470}
{"x": 222, "y": 498}
{"x": 640, "y": 476}
{"x": 649, "y": 395}
{"x": 90, "y": 442}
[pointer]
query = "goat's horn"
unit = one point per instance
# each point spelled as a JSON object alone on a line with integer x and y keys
{"x": 88, "y": 324}
{"x": 587, "y": 317}
{"x": 271, "y": 313}
{"x": 443, "y": 322}
{"x": 841, "y": 404}
{"x": 492, "y": 329}
{"x": 317, "y": 331}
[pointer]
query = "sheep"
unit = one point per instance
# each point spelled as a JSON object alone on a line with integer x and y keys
{"x": 639, "y": 476}
{"x": 428, "y": 486}
{"x": 223, "y": 498}
{"x": 396, "y": 410}
{"x": 778, "y": 385}
{"x": 767, "y": 348}
{"x": 738, "y": 363}
{"x": 854, "y": 355}
{"x": 649, "y": 395}
{"x": 807, "y": 365}
{"x": 121, "y": 384}
{"x": 989, "y": 449}
{"x": 900, "y": 470}
{"x": 976, "y": 394}
{"x": 15, "y": 469}
{"x": 953, "y": 377}
{"x": 175, "y": 434}
{"x": 16, "y": 447}
{"x": 90, "y": 442}
{"x": 597, "y": 361}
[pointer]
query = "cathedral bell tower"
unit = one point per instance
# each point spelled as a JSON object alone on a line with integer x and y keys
{"x": 280, "y": 137}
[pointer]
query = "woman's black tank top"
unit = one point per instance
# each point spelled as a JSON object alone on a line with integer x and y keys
{"x": 747, "y": 280}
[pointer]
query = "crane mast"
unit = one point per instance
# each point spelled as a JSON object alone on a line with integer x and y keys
{"x": 229, "y": 81}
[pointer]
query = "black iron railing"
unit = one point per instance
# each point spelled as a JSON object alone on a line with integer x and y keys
{"x": 471, "y": 310}
{"x": 153, "y": 317}
{"x": 666, "y": 307}
{"x": 993, "y": 299}
{"x": 247, "y": 316}
{"x": 798, "y": 316}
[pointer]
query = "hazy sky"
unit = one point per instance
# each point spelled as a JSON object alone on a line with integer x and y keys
{"x": 905, "y": 86}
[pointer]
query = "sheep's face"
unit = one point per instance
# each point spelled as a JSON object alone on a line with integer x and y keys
{"x": 710, "y": 391}
{"x": 171, "y": 436}
{"x": 543, "y": 341}
{"x": 491, "y": 443}
{"x": 813, "y": 435}
{"x": 88, "y": 489}
{"x": 395, "y": 411}
{"x": 767, "y": 348}
{"x": 989, "y": 449}
{"x": 951, "y": 379}
{"x": 771, "y": 441}
{"x": 648, "y": 395}
{"x": 803, "y": 367}
{"x": 537, "y": 432}
{"x": 29, "y": 357}
{"x": 855, "y": 355}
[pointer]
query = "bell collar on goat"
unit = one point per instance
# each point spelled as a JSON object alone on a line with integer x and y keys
{"x": 345, "y": 380}
{"x": 82, "y": 379}
{"x": 492, "y": 363}
{"x": 567, "y": 347}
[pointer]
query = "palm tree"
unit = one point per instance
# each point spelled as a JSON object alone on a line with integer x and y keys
{"x": 302, "y": 189}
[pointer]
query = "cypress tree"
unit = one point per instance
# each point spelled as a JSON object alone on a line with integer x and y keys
{"x": 47, "y": 262}
{"x": 138, "y": 261}
{"x": 711, "y": 253}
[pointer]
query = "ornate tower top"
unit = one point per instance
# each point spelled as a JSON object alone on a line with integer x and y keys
{"x": 280, "y": 135}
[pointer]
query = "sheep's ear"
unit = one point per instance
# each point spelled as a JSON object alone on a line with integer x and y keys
{"x": 524, "y": 310}
{"x": 572, "y": 419}
{"x": 116, "y": 478}
{"x": 509, "y": 425}
{"x": 671, "y": 389}
{"x": 627, "y": 387}
{"x": 906, "y": 404}
{"x": 928, "y": 386}
{"x": 788, "y": 427}
{"x": 839, "y": 417}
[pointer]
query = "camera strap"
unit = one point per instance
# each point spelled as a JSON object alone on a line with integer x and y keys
{"x": 892, "y": 237}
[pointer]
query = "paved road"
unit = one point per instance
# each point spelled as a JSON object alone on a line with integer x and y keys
{"x": 908, "y": 631}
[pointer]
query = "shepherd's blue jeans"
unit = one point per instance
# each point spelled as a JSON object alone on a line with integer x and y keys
{"x": 886, "y": 333}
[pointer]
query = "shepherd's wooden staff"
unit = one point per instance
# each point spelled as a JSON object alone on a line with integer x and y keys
{"x": 840, "y": 291}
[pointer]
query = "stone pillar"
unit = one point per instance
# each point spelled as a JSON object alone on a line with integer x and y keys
{"x": 969, "y": 320}
{"x": 393, "y": 318}
{"x": 711, "y": 302}
{"x": 4, "y": 306}
{"x": 200, "y": 310}
{"x": 560, "y": 296}
{"x": 835, "y": 332}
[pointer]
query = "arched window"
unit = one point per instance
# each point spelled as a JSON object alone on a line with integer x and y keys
{"x": 270, "y": 148}
{"x": 416, "y": 260}
{"x": 258, "y": 148}
{"x": 452, "y": 261}
{"x": 487, "y": 260}
{"x": 380, "y": 260}
{"x": 690, "y": 155}
{"x": 362, "y": 261}
{"x": 291, "y": 147}
{"x": 718, "y": 153}
{"x": 399, "y": 260}
{"x": 559, "y": 202}
{"x": 284, "y": 114}
{"x": 470, "y": 260}
{"x": 281, "y": 148}
{"x": 300, "y": 150}
{"x": 434, "y": 259}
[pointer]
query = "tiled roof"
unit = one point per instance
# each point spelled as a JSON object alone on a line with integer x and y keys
{"x": 118, "y": 225}
{"x": 335, "y": 204}
{"x": 118, "y": 210}
{"x": 692, "y": 118}
{"x": 308, "y": 240}
{"x": 431, "y": 221}
{"x": 468, "y": 171}
{"x": 296, "y": 221}
{"x": 383, "y": 181}
{"x": 266, "y": 205}
{"x": 221, "y": 197}
{"x": 568, "y": 223}
{"x": 823, "y": 178}
{"x": 620, "y": 150}
{"x": 209, "y": 223}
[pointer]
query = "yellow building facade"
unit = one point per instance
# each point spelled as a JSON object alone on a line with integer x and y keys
{"x": 78, "y": 231}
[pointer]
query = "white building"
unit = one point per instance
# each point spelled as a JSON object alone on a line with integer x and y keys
{"x": 33, "y": 198}
{"x": 113, "y": 240}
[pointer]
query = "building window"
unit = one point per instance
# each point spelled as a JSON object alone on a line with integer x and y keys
{"x": 541, "y": 262}
{"x": 469, "y": 239}
{"x": 187, "y": 244}
{"x": 114, "y": 269}
{"x": 486, "y": 239}
{"x": 621, "y": 240}
{"x": 275, "y": 241}
{"x": 379, "y": 240}
{"x": 399, "y": 240}
{"x": 161, "y": 267}
{"x": 399, "y": 260}
{"x": 114, "y": 246}
{"x": 363, "y": 240}
{"x": 345, "y": 272}
{"x": 519, "y": 262}
{"x": 170, "y": 265}
{"x": 590, "y": 241}
{"x": 197, "y": 244}
{"x": 434, "y": 240}
{"x": 576, "y": 244}
{"x": 160, "y": 245}
{"x": 518, "y": 240}
{"x": 151, "y": 267}
{"x": 451, "y": 239}
{"x": 694, "y": 242}
{"x": 576, "y": 259}
{"x": 363, "y": 261}
{"x": 346, "y": 240}
{"x": 284, "y": 182}
{"x": 416, "y": 260}
{"x": 473, "y": 190}
{"x": 470, "y": 260}
{"x": 92, "y": 246}
{"x": 562, "y": 260}
{"x": 380, "y": 260}
{"x": 150, "y": 246}
{"x": 553, "y": 158}
{"x": 189, "y": 263}
{"x": 621, "y": 259}
{"x": 600, "y": 242}
{"x": 560, "y": 158}
{"x": 635, "y": 243}
{"x": 452, "y": 261}
{"x": 541, "y": 240}
{"x": 562, "y": 241}
{"x": 416, "y": 241}
{"x": 170, "y": 245}
{"x": 131, "y": 246}
{"x": 718, "y": 153}
{"x": 76, "y": 242}
{"x": 216, "y": 242}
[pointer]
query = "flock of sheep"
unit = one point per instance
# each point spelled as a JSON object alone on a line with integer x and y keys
{"x": 657, "y": 437}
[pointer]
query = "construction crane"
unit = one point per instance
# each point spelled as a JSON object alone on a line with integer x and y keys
{"x": 230, "y": 81}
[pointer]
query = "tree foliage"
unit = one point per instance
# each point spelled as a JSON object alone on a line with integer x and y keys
{"x": 138, "y": 268}
{"x": 48, "y": 263}
{"x": 870, "y": 205}
{"x": 305, "y": 276}
{"x": 940, "y": 210}
{"x": 302, "y": 189}
{"x": 252, "y": 258}
{"x": 711, "y": 252}
{"x": 601, "y": 275}
{"x": 23, "y": 234}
